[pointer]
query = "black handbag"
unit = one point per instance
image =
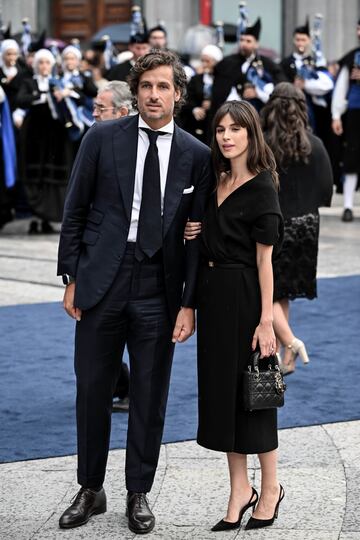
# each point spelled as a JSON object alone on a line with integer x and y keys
{"x": 263, "y": 389}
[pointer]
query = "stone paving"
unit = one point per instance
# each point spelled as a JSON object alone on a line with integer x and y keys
{"x": 319, "y": 466}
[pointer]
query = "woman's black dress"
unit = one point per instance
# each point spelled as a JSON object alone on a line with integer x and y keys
{"x": 229, "y": 310}
{"x": 304, "y": 187}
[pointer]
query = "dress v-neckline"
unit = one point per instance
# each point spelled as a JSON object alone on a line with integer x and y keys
{"x": 218, "y": 206}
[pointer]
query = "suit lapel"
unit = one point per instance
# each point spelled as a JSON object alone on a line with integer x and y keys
{"x": 178, "y": 173}
{"x": 125, "y": 142}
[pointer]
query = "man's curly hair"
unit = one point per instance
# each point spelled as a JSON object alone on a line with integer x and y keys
{"x": 156, "y": 58}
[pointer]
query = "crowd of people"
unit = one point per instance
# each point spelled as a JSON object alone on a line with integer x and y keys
{"x": 47, "y": 95}
{"x": 140, "y": 184}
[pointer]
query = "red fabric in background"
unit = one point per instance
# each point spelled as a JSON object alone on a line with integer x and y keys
{"x": 205, "y": 12}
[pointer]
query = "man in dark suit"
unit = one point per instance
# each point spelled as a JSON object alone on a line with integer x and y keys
{"x": 130, "y": 277}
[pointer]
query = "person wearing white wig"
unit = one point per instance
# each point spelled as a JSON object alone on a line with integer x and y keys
{"x": 76, "y": 84}
{"x": 47, "y": 151}
{"x": 211, "y": 53}
{"x": 196, "y": 111}
{"x": 43, "y": 57}
{"x": 12, "y": 71}
{"x": 72, "y": 50}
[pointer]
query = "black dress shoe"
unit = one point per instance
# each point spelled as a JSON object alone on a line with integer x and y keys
{"x": 86, "y": 504}
{"x": 347, "y": 215}
{"x": 141, "y": 520}
{"x": 223, "y": 525}
{"x": 254, "y": 523}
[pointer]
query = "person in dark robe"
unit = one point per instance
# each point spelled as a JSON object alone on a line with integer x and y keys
{"x": 12, "y": 70}
{"x": 247, "y": 74}
{"x": 47, "y": 153}
{"x": 195, "y": 113}
{"x": 79, "y": 89}
{"x": 345, "y": 109}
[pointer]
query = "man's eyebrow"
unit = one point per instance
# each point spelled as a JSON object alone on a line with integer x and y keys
{"x": 164, "y": 81}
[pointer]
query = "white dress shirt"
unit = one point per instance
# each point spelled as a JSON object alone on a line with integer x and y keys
{"x": 164, "y": 146}
{"x": 339, "y": 101}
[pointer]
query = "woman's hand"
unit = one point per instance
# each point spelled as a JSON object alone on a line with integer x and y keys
{"x": 184, "y": 326}
{"x": 192, "y": 230}
{"x": 264, "y": 336}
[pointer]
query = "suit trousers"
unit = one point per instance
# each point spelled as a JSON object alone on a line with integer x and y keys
{"x": 133, "y": 312}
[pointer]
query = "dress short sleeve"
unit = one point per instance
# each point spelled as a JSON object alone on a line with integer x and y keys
{"x": 267, "y": 229}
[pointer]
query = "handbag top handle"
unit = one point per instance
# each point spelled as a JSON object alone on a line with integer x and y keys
{"x": 255, "y": 357}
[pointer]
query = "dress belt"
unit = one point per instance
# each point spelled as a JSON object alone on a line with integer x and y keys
{"x": 215, "y": 264}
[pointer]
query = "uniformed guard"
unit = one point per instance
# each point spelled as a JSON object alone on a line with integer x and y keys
{"x": 345, "y": 110}
{"x": 246, "y": 74}
{"x": 306, "y": 69}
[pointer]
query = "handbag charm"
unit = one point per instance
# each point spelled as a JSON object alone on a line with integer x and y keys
{"x": 263, "y": 389}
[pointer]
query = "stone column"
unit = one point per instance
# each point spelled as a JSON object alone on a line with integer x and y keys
{"x": 15, "y": 10}
{"x": 177, "y": 15}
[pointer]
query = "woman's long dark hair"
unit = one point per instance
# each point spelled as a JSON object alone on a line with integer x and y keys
{"x": 260, "y": 157}
{"x": 286, "y": 125}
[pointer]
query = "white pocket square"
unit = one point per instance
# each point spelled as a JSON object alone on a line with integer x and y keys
{"x": 188, "y": 190}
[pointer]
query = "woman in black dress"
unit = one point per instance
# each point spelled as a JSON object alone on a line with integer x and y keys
{"x": 235, "y": 310}
{"x": 306, "y": 183}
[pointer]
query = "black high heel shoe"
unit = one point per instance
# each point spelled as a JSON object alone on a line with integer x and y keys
{"x": 223, "y": 525}
{"x": 254, "y": 523}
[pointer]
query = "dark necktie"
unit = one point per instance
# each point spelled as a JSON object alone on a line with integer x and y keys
{"x": 149, "y": 235}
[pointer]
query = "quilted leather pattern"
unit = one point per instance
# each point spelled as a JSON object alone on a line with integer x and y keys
{"x": 263, "y": 389}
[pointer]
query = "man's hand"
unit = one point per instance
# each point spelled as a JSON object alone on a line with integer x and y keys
{"x": 337, "y": 127}
{"x": 192, "y": 230}
{"x": 184, "y": 326}
{"x": 68, "y": 302}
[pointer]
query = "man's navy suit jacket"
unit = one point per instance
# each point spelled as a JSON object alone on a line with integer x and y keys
{"x": 98, "y": 208}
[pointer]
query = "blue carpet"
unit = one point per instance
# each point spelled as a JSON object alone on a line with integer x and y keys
{"x": 37, "y": 388}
